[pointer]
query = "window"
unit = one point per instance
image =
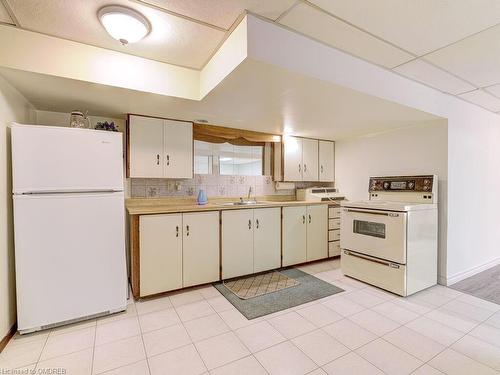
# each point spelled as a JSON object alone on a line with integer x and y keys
{"x": 369, "y": 228}
{"x": 228, "y": 159}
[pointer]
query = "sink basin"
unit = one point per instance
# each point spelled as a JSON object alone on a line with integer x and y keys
{"x": 243, "y": 203}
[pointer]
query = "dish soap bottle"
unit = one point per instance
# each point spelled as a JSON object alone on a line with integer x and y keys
{"x": 202, "y": 197}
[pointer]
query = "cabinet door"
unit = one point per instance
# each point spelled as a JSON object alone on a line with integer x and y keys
{"x": 294, "y": 235}
{"x": 160, "y": 238}
{"x": 237, "y": 243}
{"x": 310, "y": 159}
{"x": 145, "y": 147}
{"x": 178, "y": 149}
{"x": 292, "y": 158}
{"x": 266, "y": 239}
{"x": 200, "y": 248}
{"x": 317, "y": 232}
{"x": 326, "y": 161}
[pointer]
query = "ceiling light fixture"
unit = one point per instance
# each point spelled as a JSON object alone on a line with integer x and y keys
{"x": 124, "y": 24}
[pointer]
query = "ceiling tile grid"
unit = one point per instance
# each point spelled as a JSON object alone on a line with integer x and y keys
{"x": 483, "y": 99}
{"x": 172, "y": 39}
{"x": 4, "y": 15}
{"x": 319, "y": 25}
{"x": 223, "y": 13}
{"x": 424, "y": 72}
{"x": 451, "y": 45}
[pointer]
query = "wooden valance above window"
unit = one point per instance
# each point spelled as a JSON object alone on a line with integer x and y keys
{"x": 239, "y": 137}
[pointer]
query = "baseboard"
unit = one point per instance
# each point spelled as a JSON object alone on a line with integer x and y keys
{"x": 471, "y": 272}
{"x": 8, "y": 336}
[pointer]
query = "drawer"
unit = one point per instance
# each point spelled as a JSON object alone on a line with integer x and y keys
{"x": 333, "y": 248}
{"x": 333, "y": 212}
{"x": 334, "y": 235}
{"x": 334, "y": 224}
{"x": 386, "y": 275}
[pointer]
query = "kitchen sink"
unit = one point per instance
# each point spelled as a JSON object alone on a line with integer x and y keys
{"x": 243, "y": 203}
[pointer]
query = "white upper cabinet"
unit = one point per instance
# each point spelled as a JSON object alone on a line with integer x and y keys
{"x": 310, "y": 159}
{"x": 160, "y": 148}
{"x": 145, "y": 147}
{"x": 326, "y": 161}
{"x": 292, "y": 158}
{"x": 304, "y": 158}
{"x": 178, "y": 141}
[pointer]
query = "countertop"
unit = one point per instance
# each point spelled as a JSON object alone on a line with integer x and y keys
{"x": 145, "y": 206}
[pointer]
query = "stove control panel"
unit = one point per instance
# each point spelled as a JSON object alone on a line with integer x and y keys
{"x": 422, "y": 184}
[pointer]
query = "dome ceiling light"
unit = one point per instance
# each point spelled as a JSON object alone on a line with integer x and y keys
{"x": 124, "y": 24}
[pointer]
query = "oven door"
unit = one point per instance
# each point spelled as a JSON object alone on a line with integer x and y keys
{"x": 378, "y": 233}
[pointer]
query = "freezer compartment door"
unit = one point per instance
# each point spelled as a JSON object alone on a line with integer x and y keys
{"x": 383, "y": 274}
{"x": 70, "y": 257}
{"x": 54, "y": 159}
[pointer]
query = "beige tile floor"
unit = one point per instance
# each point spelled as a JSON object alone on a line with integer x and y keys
{"x": 360, "y": 331}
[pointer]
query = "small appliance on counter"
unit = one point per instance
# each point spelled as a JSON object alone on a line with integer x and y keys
{"x": 391, "y": 240}
{"x": 69, "y": 225}
{"x": 319, "y": 194}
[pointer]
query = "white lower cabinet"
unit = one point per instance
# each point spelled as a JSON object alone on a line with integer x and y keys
{"x": 294, "y": 235}
{"x": 237, "y": 243}
{"x": 266, "y": 239}
{"x": 250, "y": 241}
{"x": 317, "y": 232}
{"x": 305, "y": 234}
{"x": 160, "y": 253}
{"x": 200, "y": 248}
{"x": 178, "y": 250}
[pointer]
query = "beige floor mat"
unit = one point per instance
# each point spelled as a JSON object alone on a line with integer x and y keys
{"x": 257, "y": 285}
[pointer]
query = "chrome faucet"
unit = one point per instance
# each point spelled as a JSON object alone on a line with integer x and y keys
{"x": 249, "y": 193}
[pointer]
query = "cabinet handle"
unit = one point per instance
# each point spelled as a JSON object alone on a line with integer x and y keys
{"x": 249, "y": 224}
{"x": 309, "y": 218}
{"x": 303, "y": 219}
{"x": 257, "y": 223}
{"x": 177, "y": 231}
{"x": 187, "y": 230}
{"x": 305, "y": 168}
{"x": 157, "y": 159}
{"x": 299, "y": 168}
{"x": 168, "y": 159}
{"x": 321, "y": 169}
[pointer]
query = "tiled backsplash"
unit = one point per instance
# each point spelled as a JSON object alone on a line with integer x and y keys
{"x": 214, "y": 186}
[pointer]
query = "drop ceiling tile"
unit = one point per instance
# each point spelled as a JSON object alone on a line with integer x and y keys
{"x": 223, "y": 13}
{"x": 338, "y": 34}
{"x": 417, "y": 26}
{"x": 476, "y": 59}
{"x": 424, "y": 72}
{"x": 4, "y": 15}
{"x": 483, "y": 99}
{"x": 494, "y": 90}
{"x": 173, "y": 39}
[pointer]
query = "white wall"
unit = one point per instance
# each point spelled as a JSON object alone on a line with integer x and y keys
{"x": 13, "y": 107}
{"x": 409, "y": 151}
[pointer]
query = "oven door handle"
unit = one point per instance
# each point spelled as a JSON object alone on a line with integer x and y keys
{"x": 379, "y": 261}
{"x": 391, "y": 214}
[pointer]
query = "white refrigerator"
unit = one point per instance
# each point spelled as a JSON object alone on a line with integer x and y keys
{"x": 69, "y": 220}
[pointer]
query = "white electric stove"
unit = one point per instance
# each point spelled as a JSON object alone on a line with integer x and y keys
{"x": 390, "y": 240}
